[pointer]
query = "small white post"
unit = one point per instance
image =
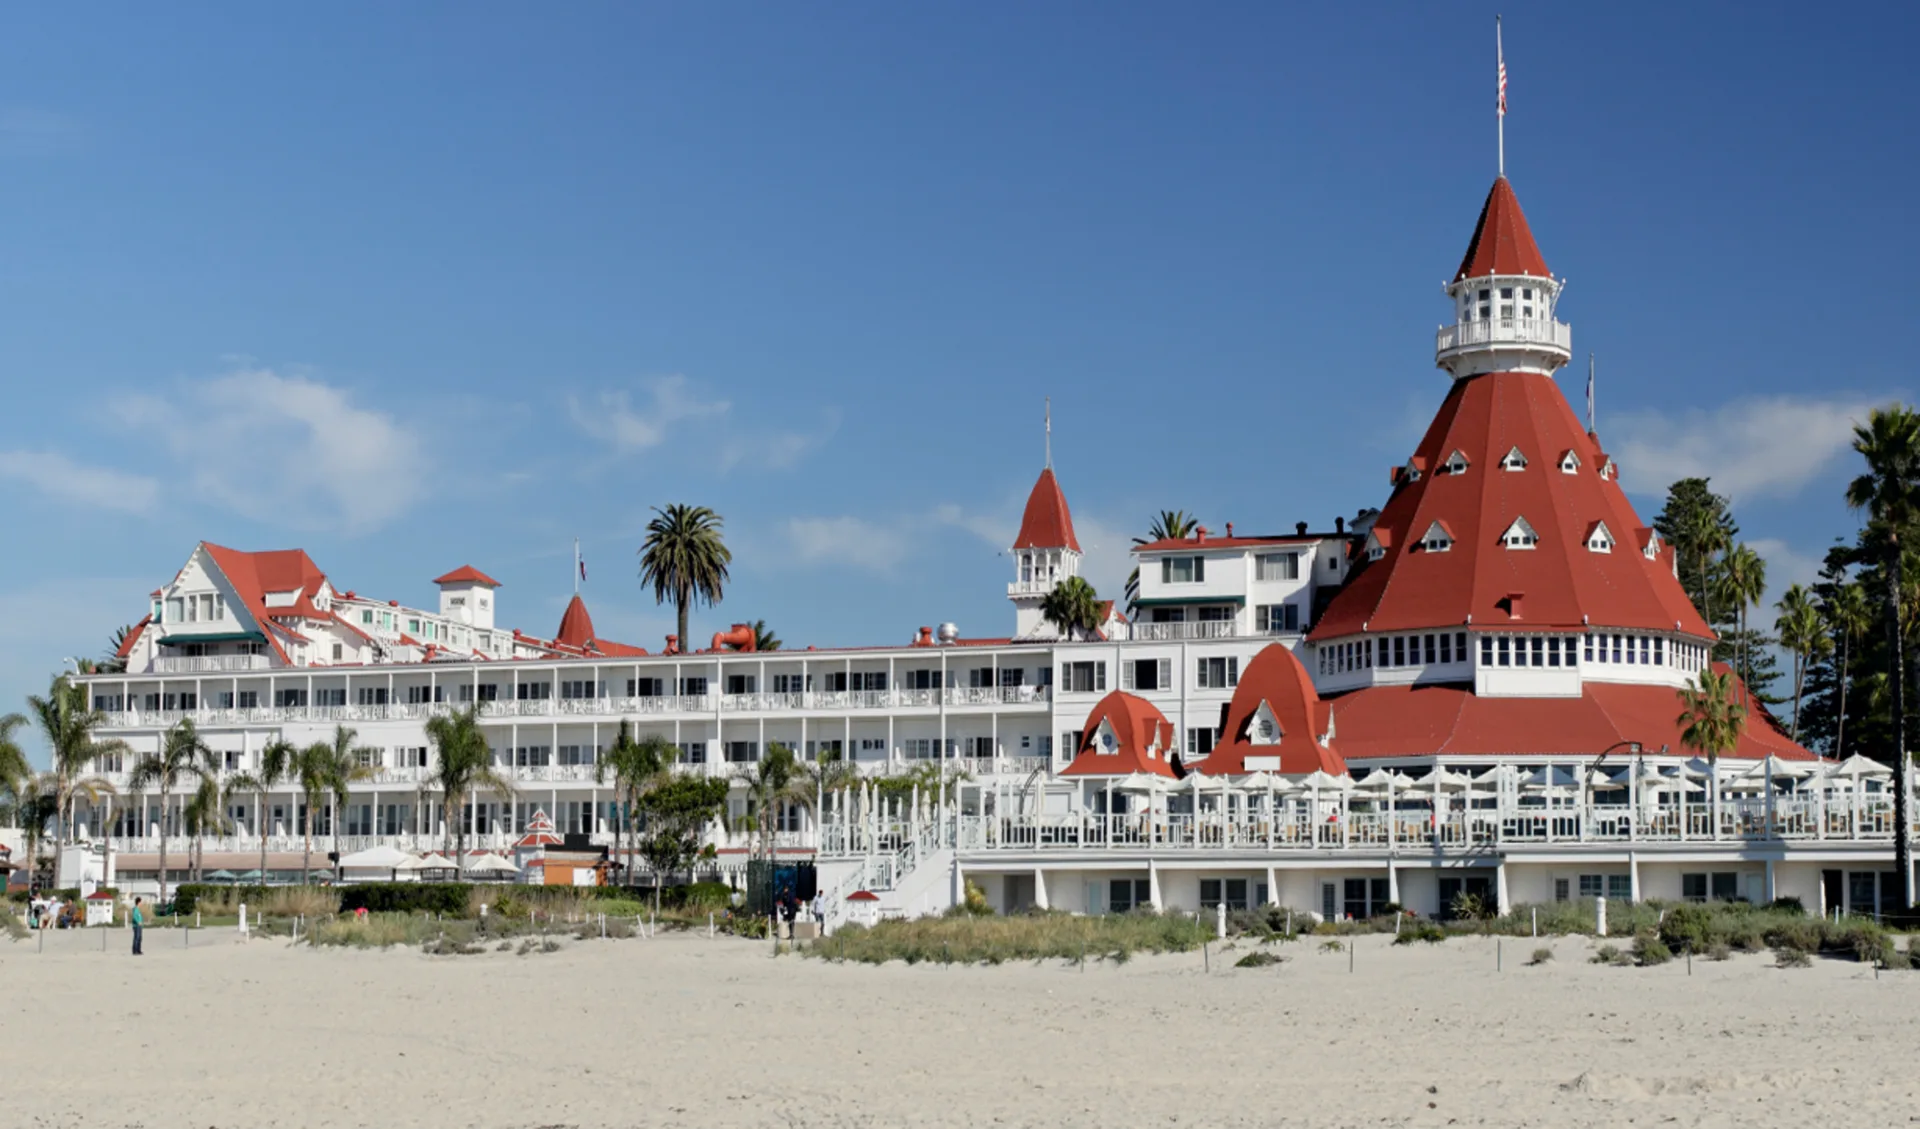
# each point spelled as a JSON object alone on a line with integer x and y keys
{"x": 1600, "y": 915}
{"x": 1220, "y": 921}
{"x": 1536, "y": 922}
{"x": 243, "y": 919}
{"x": 483, "y": 911}
{"x": 710, "y": 933}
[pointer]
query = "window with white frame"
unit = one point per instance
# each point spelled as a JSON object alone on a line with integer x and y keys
{"x": 1277, "y": 619}
{"x": 1514, "y": 460}
{"x": 1200, "y": 740}
{"x": 1146, "y": 674}
{"x": 1277, "y": 566}
{"x": 1217, "y": 673}
{"x": 1520, "y": 535}
{"x": 1456, "y": 464}
{"x": 1601, "y": 539}
{"x": 1083, "y": 677}
{"x": 1436, "y": 539}
{"x": 1569, "y": 462}
{"x": 1183, "y": 570}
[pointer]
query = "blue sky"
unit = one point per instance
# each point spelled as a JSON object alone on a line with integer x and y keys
{"x": 457, "y": 283}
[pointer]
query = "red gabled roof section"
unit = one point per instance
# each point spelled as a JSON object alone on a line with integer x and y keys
{"x": 125, "y": 650}
{"x": 1047, "y": 524}
{"x": 1567, "y": 585}
{"x": 1275, "y": 678}
{"x": 1502, "y": 241}
{"x": 467, "y": 574}
{"x": 253, "y": 575}
{"x": 1143, "y": 738}
{"x": 1421, "y": 721}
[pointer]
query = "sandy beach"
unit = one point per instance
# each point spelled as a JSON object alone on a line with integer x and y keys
{"x": 688, "y": 1031}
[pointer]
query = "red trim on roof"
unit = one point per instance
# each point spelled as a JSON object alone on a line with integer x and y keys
{"x": 1189, "y": 544}
{"x": 1502, "y": 242}
{"x": 1047, "y": 523}
{"x": 1143, "y": 739}
{"x": 133, "y": 637}
{"x": 467, "y": 574}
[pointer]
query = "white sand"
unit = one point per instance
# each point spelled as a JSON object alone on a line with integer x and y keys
{"x": 687, "y": 1031}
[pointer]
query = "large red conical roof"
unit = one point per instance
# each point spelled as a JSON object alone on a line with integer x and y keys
{"x": 1565, "y": 492}
{"x": 576, "y": 626}
{"x": 1502, "y": 242}
{"x": 1047, "y": 524}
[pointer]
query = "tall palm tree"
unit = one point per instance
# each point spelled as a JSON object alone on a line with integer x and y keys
{"x": 1073, "y": 606}
{"x": 820, "y": 775}
{"x": 1708, "y": 538}
{"x": 183, "y": 757}
{"x": 312, "y": 774}
{"x": 1710, "y": 723}
{"x": 202, "y": 814}
{"x": 275, "y": 761}
{"x": 345, "y": 767}
{"x": 763, "y": 638}
{"x": 14, "y": 769}
{"x": 770, "y": 784}
{"x": 685, "y": 559}
{"x": 67, "y": 721}
{"x": 1803, "y": 633}
{"x": 1850, "y": 617}
{"x": 463, "y": 764}
{"x": 1169, "y": 525}
{"x": 36, "y": 804}
{"x": 635, "y": 766}
{"x": 1889, "y": 491}
{"x": 1743, "y": 584}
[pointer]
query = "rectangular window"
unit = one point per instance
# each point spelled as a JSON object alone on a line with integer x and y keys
{"x": 1231, "y": 891}
{"x": 1503, "y": 647}
{"x": 1659, "y": 651}
{"x": 1539, "y": 650}
{"x": 646, "y": 687}
{"x": 740, "y": 684}
{"x": 248, "y": 699}
{"x": 792, "y": 683}
{"x": 1147, "y": 674}
{"x": 1011, "y": 676}
{"x": 369, "y": 696}
{"x": 1433, "y": 655}
{"x": 693, "y": 752}
{"x": 1183, "y": 570}
{"x": 1399, "y": 650}
{"x": 922, "y": 680}
{"x": 693, "y": 687}
{"x": 579, "y": 689}
{"x": 1486, "y": 650}
{"x": 1726, "y": 886}
{"x": 1589, "y": 648}
{"x": 1214, "y": 613}
{"x": 533, "y": 691}
{"x": 1620, "y": 887}
{"x": 1553, "y": 651}
{"x": 1592, "y": 886}
{"x": 1446, "y": 648}
{"x": 1084, "y": 678}
{"x": 1277, "y": 566}
{"x": 1199, "y": 741}
{"x": 1217, "y": 673}
{"x": 743, "y": 752}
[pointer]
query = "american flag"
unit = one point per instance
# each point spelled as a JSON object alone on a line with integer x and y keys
{"x": 1502, "y": 54}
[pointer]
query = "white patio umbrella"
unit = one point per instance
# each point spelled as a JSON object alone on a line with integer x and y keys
{"x": 492, "y": 864}
{"x": 1772, "y": 767}
{"x": 1857, "y": 767}
{"x": 381, "y": 857}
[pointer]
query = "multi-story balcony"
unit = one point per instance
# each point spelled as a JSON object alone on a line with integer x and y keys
{"x": 209, "y": 664}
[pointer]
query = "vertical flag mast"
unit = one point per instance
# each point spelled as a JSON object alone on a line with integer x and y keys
{"x": 1590, "y": 428}
{"x": 579, "y": 569}
{"x": 1049, "y": 433}
{"x": 1500, "y": 56}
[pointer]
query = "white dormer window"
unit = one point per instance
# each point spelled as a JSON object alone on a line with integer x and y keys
{"x": 1514, "y": 460}
{"x": 1377, "y": 540}
{"x": 1652, "y": 551}
{"x": 1105, "y": 742}
{"x": 1600, "y": 540}
{"x": 1607, "y": 469}
{"x": 1264, "y": 728}
{"x": 1412, "y": 472}
{"x": 1456, "y": 464}
{"x": 1520, "y": 535}
{"x": 1436, "y": 539}
{"x": 1569, "y": 462}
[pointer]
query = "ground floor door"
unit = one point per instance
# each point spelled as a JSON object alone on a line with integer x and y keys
{"x": 1453, "y": 887}
{"x": 1016, "y": 895}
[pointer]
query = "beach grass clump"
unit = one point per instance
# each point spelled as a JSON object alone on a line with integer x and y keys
{"x": 266, "y": 901}
{"x": 1649, "y": 949}
{"x": 1333, "y": 945}
{"x": 1541, "y": 955}
{"x": 1792, "y": 958}
{"x": 16, "y": 929}
{"x": 1609, "y": 954}
{"x": 1425, "y": 931}
{"x": 385, "y": 930}
{"x": 1259, "y": 958}
{"x": 965, "y": 939}
{"x": 1719, "y": 950}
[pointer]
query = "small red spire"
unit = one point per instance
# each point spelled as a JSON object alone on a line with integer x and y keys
{"x": 1047, "y": 524}
{"x": 1502, "y": 241}
{"x": 576, "y": 626}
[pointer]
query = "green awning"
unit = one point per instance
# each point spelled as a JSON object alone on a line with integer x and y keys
{"x": 226, "y": 637}
{"x": 1191, "y": 601}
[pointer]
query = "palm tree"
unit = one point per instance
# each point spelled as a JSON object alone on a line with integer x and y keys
{"x": 312, "y": 773}
{"x": 68, "y": 724}
{"x": 1170, "y": 525}
{"x": 36, "y": 803}
{"x": 1710, "y": 723}
{"x": 14, "y": 769}
{"x": 822, "y": 774}
{"x": 183, "y": 756}
{"x": 1072, "y": 606}
{"x": 684, "y": 559}
{"x": 346, "y": 766}
{"x": 1708, "y": 537}
{"x": 1804, "y": 633}
{"x": 763, "y": 638}
{"x": 635, "y": 767}
{"x": 770, "y": 784}
{"x": 1889, "y": 491}
{"x": 463, "y": 765}
{"x": 202, "y": 814}
{"x": 1847, "y": 611}
{"x": 111, "y": 662}
{"x": 1743, "y": 585}
{"x": 275, "y": 760}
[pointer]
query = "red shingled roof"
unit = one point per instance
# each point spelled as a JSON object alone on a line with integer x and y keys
{"x": 467, "y": 574}
{"x": 1275, "y": 678}
{"x": 127, "y": 644}
{"x": 576, "y": 626}
{"x": 1138, "y": 727}
{"x": 1502, "y": 242}
{"x": 1564, "y": 582}
{"x": 1047, "y": 524}
{"x": 1419, "y": 721}
{"x": 253, "y": 575}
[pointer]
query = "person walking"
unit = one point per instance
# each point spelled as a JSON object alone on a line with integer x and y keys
{"x": 137, "y": 918}
{"x": 820, "y": 911}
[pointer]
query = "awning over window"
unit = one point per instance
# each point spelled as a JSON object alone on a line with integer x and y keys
{"x": 225, "y": 637}
{"x": 1191, "y": 601}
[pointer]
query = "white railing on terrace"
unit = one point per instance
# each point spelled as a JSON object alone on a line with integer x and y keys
{"x": 1503, "y": 331}
{"x": 208, "y": 664}
{"x": 1031, "y": 587}
{"x": 1337, "y": 825}
{"x": 1196, "y": 629}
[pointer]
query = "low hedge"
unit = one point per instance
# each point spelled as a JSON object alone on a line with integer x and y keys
{"x": 187, "y": 895}
{"x": 406, "y": 897}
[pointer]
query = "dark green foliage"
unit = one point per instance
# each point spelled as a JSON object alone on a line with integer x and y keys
{"x": 187, "y": 895}
{"x": 1649, "y": 949}
{"x": 446, "y": 898}
{"x": 1259, "y": 959}
{"x": 1425, "y": 931}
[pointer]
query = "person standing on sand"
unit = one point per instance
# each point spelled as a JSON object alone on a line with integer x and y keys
{"x": 820, "y": 910}
{"x": 138, "y": 919}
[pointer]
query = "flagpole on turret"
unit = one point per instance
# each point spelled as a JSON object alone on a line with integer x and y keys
{"x": 576, "y": 566}
{"x": 1500, "y": 57}
{"x": 1049, "y": 432}
{"x": 1590, "y": 428}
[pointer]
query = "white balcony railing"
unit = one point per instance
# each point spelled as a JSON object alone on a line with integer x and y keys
{"x": 208, "y": 664}
{"x": 1031, "y": 587}
{"x": 1556, "y": 335}
{"x": 1194, "y": 629}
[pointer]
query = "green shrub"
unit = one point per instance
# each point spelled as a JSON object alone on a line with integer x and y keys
{"x": 448, "y": 899}
{"x": 1687, "y": 926}
{"x": 1718, "y": 950}
{"x": 1332, "y": 946}
{"x": 1541, "y": 955}
{"x": 993, "y": 940}
{"x": 1425, "y": 931}
{"x": 1787, "y": 905}
{"x": 1608, "y": 954}
{"x": 1258, "y": 959}
{"x": 1792, "y": 958}
{"x": 1649, "y": 949}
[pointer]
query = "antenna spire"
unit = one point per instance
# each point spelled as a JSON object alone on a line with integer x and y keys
{"x": 1590, "y": 429}
{"x": 578, "y": 569}
{"x": 1500, "y": 56}
{"x": 1049, "y": 433}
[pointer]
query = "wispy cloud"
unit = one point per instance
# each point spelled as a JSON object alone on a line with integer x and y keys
{"x": 612, "y": 417}
{"x": 287, "y": 450}
{"x": 62, "y": 479}
{"x": 1760, "y": 447}
{"x": 778, "y": 450}
{"x": 848, "y": 540}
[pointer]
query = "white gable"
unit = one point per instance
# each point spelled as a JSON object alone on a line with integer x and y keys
{"x": 1456, "y": 464}
{"x": 1514, "y": 460}
{"x": 1520, "y": 535}
{"x": 1263, "y": 728}
{"x": 1600, "y": 540}
{"x": 1436, "y": 539}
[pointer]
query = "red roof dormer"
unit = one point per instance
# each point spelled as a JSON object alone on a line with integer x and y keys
{"x": 1502, "y": 241}
{"x": 1047, "y": 523}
